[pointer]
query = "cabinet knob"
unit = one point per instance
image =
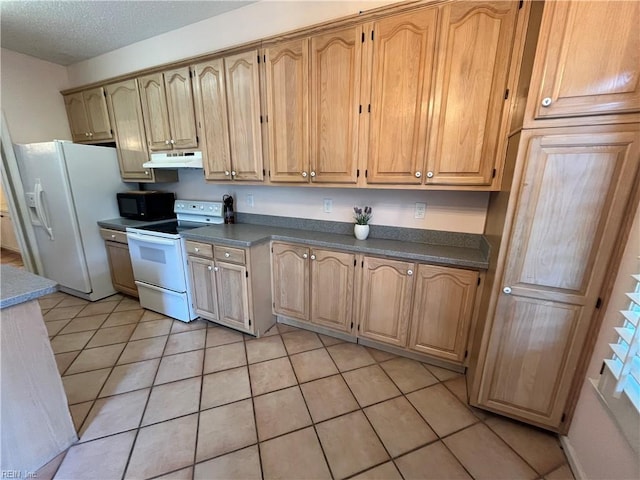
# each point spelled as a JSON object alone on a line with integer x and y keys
{"x": 233, "y": 173}
{"x": 313, "y": 257}
{"x": 146, "y": 172}
{"x": 209, "y": 268}
{"x": 507, "y": 290}
{"x": 304, "y": 174}
{"x": 113, "y": 236}
{"x": 313, "y": 174}
{"x": 196, "y": 249}
{"x": 91, "y": 134}
{"x": 409, "y": 272}
{"x": 86, "y": 134}
{"x": 172, "y": 141}
{"x": 429, "y": 174}
{"x": 304, "y": 255}
{"x": 227, "y": 254}
{"x": 226, "y": 172}
{"x": 546, "y": 101}
{"x": 166, "y": 142}
{"x": 418, "y": 174}
{"x": 215, "y": 269}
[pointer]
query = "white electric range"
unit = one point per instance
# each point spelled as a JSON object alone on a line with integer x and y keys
{"x": 159, "y": 259}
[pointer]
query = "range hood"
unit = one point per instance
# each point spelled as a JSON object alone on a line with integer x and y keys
{"x": 175, "y": 160}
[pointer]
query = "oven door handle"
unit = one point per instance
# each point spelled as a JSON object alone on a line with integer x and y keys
{"x": 149, "y": 239}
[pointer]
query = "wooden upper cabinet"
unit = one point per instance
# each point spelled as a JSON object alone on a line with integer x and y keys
{"x": 180, "y": 108}
{"x": 442, "y": 310}
{"x": 335, "y": 102}
{"x": 473, "y": 64}
{"x": 211, "y": 118}
{"x": 575, "y": 188}
{"x": 290, "y": 282}
{"x": 242, "y": 79}
{"x": 332, "y": 282}
{"x": 78, "y": 120}
{"x": 97, "y": 113}
{"x": 167, "y": 107}
{"x": 154, "y": 110}
{"x": 123, "y": 99}
{"x": 385, "y": 301}
{"x": 587, "y": 61}
{"x": 401, "y": 82}
{"x": 88, "y": 116}
{"x": 286, "y": 68}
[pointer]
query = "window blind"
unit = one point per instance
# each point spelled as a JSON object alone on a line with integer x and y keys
{"x": 625, "y": 361}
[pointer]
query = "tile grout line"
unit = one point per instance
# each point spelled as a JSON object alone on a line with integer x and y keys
{"x": 195, "y": 446}
{"x": 253, "y": 408}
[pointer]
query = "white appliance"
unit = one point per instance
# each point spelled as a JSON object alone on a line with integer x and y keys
{"x": 175, "y": 160}
{"x": 159, "y": 259}
{"x": 68, "y": 188}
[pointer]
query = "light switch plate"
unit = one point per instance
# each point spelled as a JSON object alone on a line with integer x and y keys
{"x": 421, "y": 209}
{"x": 328, "y": 205}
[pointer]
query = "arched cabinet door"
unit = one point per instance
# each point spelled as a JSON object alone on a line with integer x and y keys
{"x": 180, "y": 108}
{"x": 154, "y": 111}
{"x": 96, "y": 105}
{"x": 78, "y": 120}
{"x": 290, "y": 270}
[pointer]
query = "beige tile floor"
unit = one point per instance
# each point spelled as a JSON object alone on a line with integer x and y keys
{"x": 153, "y": 397}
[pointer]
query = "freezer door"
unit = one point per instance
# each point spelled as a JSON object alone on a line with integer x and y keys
{"x": 53, "y": 214}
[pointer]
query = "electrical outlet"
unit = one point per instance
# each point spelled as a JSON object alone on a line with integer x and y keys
{"x": 421, "y": 208}
{"x": 328, "y": 205}
{"x": 250, "y": 200}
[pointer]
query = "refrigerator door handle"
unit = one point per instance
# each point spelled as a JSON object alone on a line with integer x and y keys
{"x": 40, "y": 212}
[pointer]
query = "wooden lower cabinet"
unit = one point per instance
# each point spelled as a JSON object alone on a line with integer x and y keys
{"x": 234, "y": 293}
{"x": 313, "y": 285}
{"x": 442, "y": 311}
{"x": 385, "y": 304}
{"x": 119, "y": 261}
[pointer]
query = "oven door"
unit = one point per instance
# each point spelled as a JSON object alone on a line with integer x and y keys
{"x": 157, "y": 261}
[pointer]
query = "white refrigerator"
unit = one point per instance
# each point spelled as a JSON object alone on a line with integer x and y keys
{"x": 68, "y": 188}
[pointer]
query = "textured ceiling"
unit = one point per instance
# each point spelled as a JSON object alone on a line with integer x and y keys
{"x": 67, "y": 32}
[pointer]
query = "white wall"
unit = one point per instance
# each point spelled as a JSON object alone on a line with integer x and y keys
{"x": 596, "y": 443}
{"x": 461, "y": 212}
{"x": 31, "y": 100}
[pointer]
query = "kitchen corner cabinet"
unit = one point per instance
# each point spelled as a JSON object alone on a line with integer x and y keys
{"x": 88, "y": 116}
{"x": 314, "y": 285}
{"x": 286, "y": 71}
{"x": 230, "y": 285}
{"x": 570, "y": 201}
{"x": 577, "y": 73}
{"x": 123, "y": 100}
{"x": 119, "y": 261}
{"x": 385, "y": 302}
{"x": 442, "y": 311}
{"x": 167, "y": 109}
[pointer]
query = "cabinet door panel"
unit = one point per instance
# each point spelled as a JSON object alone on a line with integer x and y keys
{"x": 583, "y": 73}
{"x": 571, "y": 203}
{"x": 233, "y": 295}
{"x": 442, "y": 309}
{"x": 335, "y": 99}
{"x": 475, "y": 47}
{"x": 203, "y": 287}
{"x": 96, "y": 106}
{"x": 154, "y": 111}
{"x": 290, "y": 280}
{"x": 180, "y": 108}
{"x": 78, "y": 121}
{"x": 126, "y": 115}
{"x": 243, "y": 101}
{"x": 403, "y": 60}
{"x": 120, "y": 268}
{"x": 386, "y": 300}
{"x": 211, "y": 113}
{"x": 332, "y": 276}
{"x": 287, "y": 80}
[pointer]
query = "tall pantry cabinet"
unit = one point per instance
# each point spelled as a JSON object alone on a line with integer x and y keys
{"x": 574, "y": 168}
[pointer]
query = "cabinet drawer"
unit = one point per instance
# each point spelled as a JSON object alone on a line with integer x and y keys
{"x": 200, "y": 249}
{"x": 228, "y": 254}
{"x": 113, "y": 235}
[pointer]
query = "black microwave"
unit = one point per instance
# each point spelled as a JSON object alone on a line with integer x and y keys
{"x": 146, "y": 205}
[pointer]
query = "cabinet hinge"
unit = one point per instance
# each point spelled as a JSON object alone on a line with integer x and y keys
{"x": 506, "y": 94}
{"x": 360, "y": 109}
{"x": 264, "y": 172}
{"x": 264, "y": 58}
{"x": 521, "y": 4}
{"x": 599, "y": 303}
{"x": 197, "y": 139}
{"x": 260, "y": 118}
{"x": 358, "y": 327}
{"x": 563, "y": 418}
{"x": 271, "y": 249}
{"x": 493, "y": 174}
{"x": 266, "y": 118}
{"x": 478, "y": 280}
{"x": 269, "y": 173}
{"x": 104, "y": 93}
{"x": 371, "y": 34}
{"x": 258, "y": 58}
{"x": 355, "y": 262}
{"x": 366, "y": 173}
{"x": 249, "y": 322}
{"x": 369, "y": 109}
{"x": 362, "y": 264}
{"x": 358, "y": 173}
{"x": 466, "y": 353}
{"x": 274, "y": 304}
{"x": 112, "y": 132}
{"x": 602, "y": 368}
{"x": 247, "y": 274}
{"x": 351, "y": 325}
{"x": 362, "y": 37}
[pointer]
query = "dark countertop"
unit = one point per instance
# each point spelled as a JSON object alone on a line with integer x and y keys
{"x": 121, "y": 224}
{"x": 246, "y": 235}
{"x": 19, "y": 286}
